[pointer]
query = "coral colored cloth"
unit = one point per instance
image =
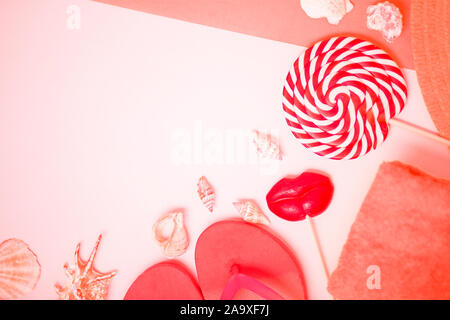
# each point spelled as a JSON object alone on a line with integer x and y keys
{"x": 281, "y": 20}
{"x": 402, "y": 235}
{"x": 430, "y": 36}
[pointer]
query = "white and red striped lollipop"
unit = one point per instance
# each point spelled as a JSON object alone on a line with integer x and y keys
{"x": 340, "y": 95}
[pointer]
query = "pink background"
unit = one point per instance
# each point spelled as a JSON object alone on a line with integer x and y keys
{"x": 281, "y": 20}
{"x": 86, "y": 124}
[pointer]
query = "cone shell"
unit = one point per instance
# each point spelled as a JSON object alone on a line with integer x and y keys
{"x": 251, "y": 212}
{"x": 19, "y": 269}
{"x": 177, "y": 242}
{"x": 206, "y": 193}
{"x": 266, "y": 145}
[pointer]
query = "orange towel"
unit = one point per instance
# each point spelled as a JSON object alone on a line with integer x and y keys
{"x": 399, "y": 245}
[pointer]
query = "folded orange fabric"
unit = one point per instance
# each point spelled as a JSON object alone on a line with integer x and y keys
{"x": 399, "y": 244}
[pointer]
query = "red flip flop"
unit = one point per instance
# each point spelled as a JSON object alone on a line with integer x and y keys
{"x": 239, "y": 260}
{"x": 165, "y": 281}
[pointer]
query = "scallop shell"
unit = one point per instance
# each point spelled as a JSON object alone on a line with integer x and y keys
{"x": 251, "y": 212}
{"x": 333, "y": 10}
{"x": 19, "y": 269}
{"x": 177, "y": 242}
{"x": 266, "y": 146}
{"x": 206, "y": 193}
{"x": 83, "y": 281}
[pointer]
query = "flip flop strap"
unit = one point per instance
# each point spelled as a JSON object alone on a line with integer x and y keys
{"x": 239, "y": 280}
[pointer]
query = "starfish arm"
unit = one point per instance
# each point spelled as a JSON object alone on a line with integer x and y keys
{"x": 92, "y": 256}
{"x": 103, "y": 277}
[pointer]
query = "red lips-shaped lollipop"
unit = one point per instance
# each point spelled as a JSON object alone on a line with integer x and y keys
{"x": 308, "y": 194}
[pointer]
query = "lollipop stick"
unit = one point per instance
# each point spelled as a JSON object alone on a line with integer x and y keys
{"x": 421, "y": 131}
{"x": 319, "y": 247}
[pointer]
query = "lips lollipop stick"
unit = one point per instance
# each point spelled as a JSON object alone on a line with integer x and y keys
{"x": 300, "y": 198}
{"x": 319, "y": 246}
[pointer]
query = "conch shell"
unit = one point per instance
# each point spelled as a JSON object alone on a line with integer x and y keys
{"x": 177, "y": 242}
{"x": 84, "y": 282}
{"x": 206, "y": 193}
{"x": 19, "y": 269}
{"x": 266, "y": 145}
{"x": 251, "y": 212}
{"x": 333, "y": 10}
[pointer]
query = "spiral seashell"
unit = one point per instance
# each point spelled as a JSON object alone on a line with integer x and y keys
{"x": 251, "y": 212}
{"x": 19, "y": 269}
{"x": 340, "y": 95}
{"x": 177, "y": 242}
{"x": 266, "y": 145}
{"x": 206, "y": 193}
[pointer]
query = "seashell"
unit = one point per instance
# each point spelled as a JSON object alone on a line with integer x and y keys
{"x": 266, "y": 145}
{"x": 19, "y": 269}
{"x": 333, "y": 10}
{"x": 206, "y": 193}
{"x": 83, "y": 281}
{"x": 251, "y": 212}
{"x": 177, "y": 242}
{"x": 387, "y": 18}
